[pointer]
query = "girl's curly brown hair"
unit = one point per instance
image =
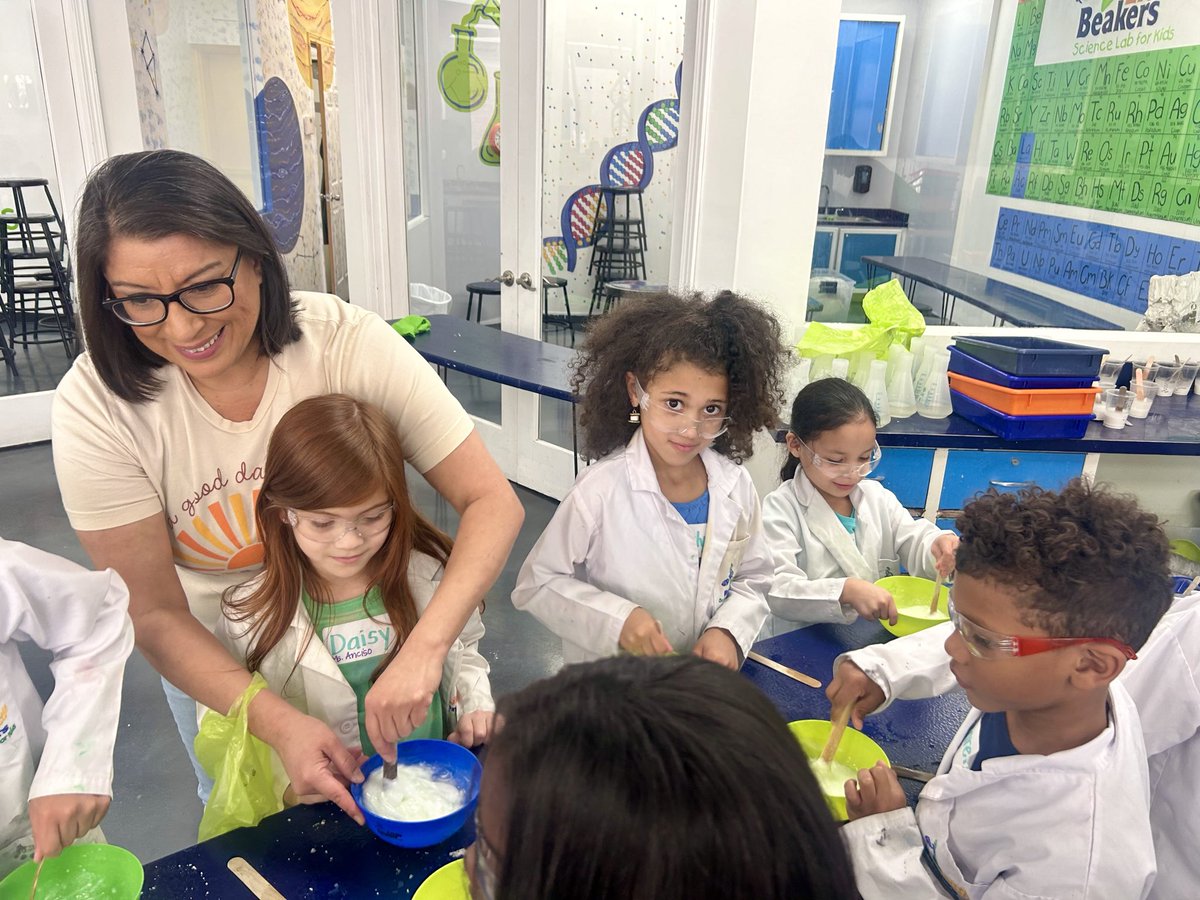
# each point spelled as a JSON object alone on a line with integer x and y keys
{"x": 727, "y": 333}
{"x": 1086, "y": 562}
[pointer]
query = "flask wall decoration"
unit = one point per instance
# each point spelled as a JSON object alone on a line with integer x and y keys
{"x": 489, "y": 147}
{"x": 462, "y": 78}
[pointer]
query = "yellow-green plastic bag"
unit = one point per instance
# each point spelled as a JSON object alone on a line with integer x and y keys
{"x": 240, "y": 766}
{"x": 892, "y": 318}
{"x": 888, "y": 305}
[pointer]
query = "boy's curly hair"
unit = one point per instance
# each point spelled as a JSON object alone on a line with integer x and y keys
{"x": 726, "y": 333}
{"x": 1086, "y": 562}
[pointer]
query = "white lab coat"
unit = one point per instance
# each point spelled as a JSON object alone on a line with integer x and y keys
{"x": 616, "y": 543}
{"x": 1072, "y": 824}
{"x": 66, "y": 748}
{"x": 1164, "y": 682}
{"x": 814, "y": 554}
{"x": 303, "y": 673}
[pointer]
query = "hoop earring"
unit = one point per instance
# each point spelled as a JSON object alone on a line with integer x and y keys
{"x": 635, "y": 416}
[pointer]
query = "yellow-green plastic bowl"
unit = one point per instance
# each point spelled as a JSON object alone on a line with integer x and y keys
{"x": 913, "y": 593}
{"x": 856, "y": 751}
{"x": 81, "y": 872}
{"x": 447, "y": 883}
{"x": 1186, "y": 549}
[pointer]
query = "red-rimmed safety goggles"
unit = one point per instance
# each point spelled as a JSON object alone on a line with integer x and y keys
{"x": 987, "y": 644}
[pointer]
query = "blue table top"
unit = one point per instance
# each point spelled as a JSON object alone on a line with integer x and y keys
{"x": 1009, "y": 302}
{"x": 496, "y": 355}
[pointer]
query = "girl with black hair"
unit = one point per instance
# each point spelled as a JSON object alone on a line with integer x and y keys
{"x": 659, "y": 546}
{"x": 651, "y": 779}
{"x": 832, "y": 531}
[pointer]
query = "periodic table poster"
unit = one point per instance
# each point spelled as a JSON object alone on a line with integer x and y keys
{"x": 1101, "y": 107}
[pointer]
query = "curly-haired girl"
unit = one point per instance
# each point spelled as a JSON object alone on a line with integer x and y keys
{"x": 659, "y": 546}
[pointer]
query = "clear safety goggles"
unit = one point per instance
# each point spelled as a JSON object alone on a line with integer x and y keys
{"x": 670, "y": 420}
{"x": 856, "y": 470}
{"x": 330, "y": 529}
{"x": 987, "y": 644}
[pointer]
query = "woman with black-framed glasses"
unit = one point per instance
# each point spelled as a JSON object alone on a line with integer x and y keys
{"x": 196, "y": 348}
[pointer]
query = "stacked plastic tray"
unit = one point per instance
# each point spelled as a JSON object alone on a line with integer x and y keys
{"x": 1024, "y": 388}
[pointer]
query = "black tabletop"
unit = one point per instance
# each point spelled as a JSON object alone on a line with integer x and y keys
{"x": 1009, "y": 302}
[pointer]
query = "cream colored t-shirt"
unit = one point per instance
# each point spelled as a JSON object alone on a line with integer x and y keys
{"x": 120, "y": 462}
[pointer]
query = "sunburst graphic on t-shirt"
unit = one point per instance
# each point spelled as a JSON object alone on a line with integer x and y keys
{"x": 225, "y": 539}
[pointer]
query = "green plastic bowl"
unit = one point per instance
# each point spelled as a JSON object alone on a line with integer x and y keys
{"x": 1186, "y": 549}
{"x": 81, "y": 872}
{"x": 856, "y": 751}
{"x": 447, "y": 883}
{"x": 912, "y": 595}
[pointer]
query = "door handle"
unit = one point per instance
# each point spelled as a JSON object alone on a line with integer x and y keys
{"x": 526, "y": 282}
{"x": 507, "y": 279}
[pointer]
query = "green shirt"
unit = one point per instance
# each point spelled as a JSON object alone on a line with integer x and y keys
{"x": 358, "y": 635}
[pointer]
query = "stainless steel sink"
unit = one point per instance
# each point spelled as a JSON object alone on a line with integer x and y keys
{"x": 830, "y": 219}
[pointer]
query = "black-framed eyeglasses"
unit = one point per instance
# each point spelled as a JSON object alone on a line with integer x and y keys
{"x": 206, "y": 297}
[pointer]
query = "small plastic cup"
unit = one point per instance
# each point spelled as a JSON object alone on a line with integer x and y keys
{"x": 1139, "y": 409}
{"x": 1186, "y": 377}
{"x": 1116, "y": 408}
{"x": 1149, "y": 371}
{"x": 1110, "y": 370}
{"x": 1166, "y": 380}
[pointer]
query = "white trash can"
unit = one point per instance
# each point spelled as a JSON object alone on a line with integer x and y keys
{"x": 426, "y": 300}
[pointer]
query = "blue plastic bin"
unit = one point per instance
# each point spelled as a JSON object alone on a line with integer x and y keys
{"x": 1019, "y": 428}
{"x": 1034, "y": 356}
{"x": 1181, "y": 584}
{"x": 963, "y": 363}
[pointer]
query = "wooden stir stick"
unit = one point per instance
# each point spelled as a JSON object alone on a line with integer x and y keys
{"x": 839, "y": 722}
{"x": 37, "y": 873}
{"x": 937, "y": 596}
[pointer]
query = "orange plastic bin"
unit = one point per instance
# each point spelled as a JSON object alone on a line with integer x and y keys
{"x": 1056, "y": 402}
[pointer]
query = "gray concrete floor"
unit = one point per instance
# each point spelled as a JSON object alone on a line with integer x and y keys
{"x": 155, "y": 810}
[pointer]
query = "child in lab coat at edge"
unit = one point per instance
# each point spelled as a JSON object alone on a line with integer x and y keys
{"x": 56, "y": 764}
{"x": 658, "y": 547}
{"x": 832, "y": 533}
{"x": 349, "y": 565}
{"x": 1043, "y": 792}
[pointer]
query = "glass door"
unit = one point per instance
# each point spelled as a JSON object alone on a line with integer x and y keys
{"x": 516, "y": 234}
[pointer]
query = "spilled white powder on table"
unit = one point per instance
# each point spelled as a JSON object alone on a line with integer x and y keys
{"x": 415, "y": 794}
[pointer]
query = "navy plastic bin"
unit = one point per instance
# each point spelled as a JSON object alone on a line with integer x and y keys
{"x": 1031, "y": 356}
{"x": 1181, "y": 583}
{"x": 1019, "y": 428}
{"x": 963, "y": 363}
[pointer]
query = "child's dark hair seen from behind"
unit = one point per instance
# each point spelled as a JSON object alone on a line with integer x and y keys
{"x": 728, "y": 334}
{"x": 652, "y": 778}
{"x": 822, "y": 406}
{"x": 329, "y": 452}
{"x": 1085, "y": 561}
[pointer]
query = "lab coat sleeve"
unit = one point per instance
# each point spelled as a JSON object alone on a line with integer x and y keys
{"x": 886, "y": 852}
{"x": 913, "y": 538}
{"x": 745, "y": 610}
{"x": 553, "y": 586}
{"x": 472, "y": 684}
{"x": 793, "y": 595}
{"x": 81, "y": 618}
{"x": 909, "y": 668}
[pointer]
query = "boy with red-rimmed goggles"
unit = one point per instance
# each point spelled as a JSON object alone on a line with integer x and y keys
{"x": 1043, "y": 791}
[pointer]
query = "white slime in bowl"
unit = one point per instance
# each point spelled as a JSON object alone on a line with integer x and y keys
{"x": 921, "y": 611}
{"x": 832, "y": 776}
{"x": 414, "y": 795}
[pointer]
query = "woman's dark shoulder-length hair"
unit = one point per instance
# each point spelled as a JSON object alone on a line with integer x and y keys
{"x": 153, "y": 195}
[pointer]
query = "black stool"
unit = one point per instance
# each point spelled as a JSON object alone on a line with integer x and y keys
{"x": 480, "y": 289}
{"x": 619, "y": 238}
{"x": 34, "y": 279}
{"x": 549, "y": 283}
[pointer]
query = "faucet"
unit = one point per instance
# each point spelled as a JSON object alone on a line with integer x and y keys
{"x": 825, "y": 193}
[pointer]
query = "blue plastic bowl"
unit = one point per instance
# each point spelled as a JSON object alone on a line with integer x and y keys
{"x": 457, "y": 764}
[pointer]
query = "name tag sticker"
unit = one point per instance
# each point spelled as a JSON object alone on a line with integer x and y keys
{"x": 356, "y": 641}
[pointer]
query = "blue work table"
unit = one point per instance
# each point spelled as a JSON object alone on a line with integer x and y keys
{"x": 1006, "y": 302}
{"x": 317, "y": 851}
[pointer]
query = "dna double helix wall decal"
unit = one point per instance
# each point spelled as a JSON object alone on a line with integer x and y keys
{"x": 630, "y": 164}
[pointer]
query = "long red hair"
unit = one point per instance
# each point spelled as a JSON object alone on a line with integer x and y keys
{"x": 327, "y": 452}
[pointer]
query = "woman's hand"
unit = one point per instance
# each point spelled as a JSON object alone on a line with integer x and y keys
{"x": 399, "y": 700}
{"x": 718, "y": 645}
{"x": 876, "y": 791}
{"x": 868, "y": 600}
{"x": 642, "y": 635}
{"x": 943, "y": 550}
{"x": 58, "y": 820}
{"x": 851, "y": 687}
{"x": 315, "y": 760}
{"x": 474, "y": 728}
